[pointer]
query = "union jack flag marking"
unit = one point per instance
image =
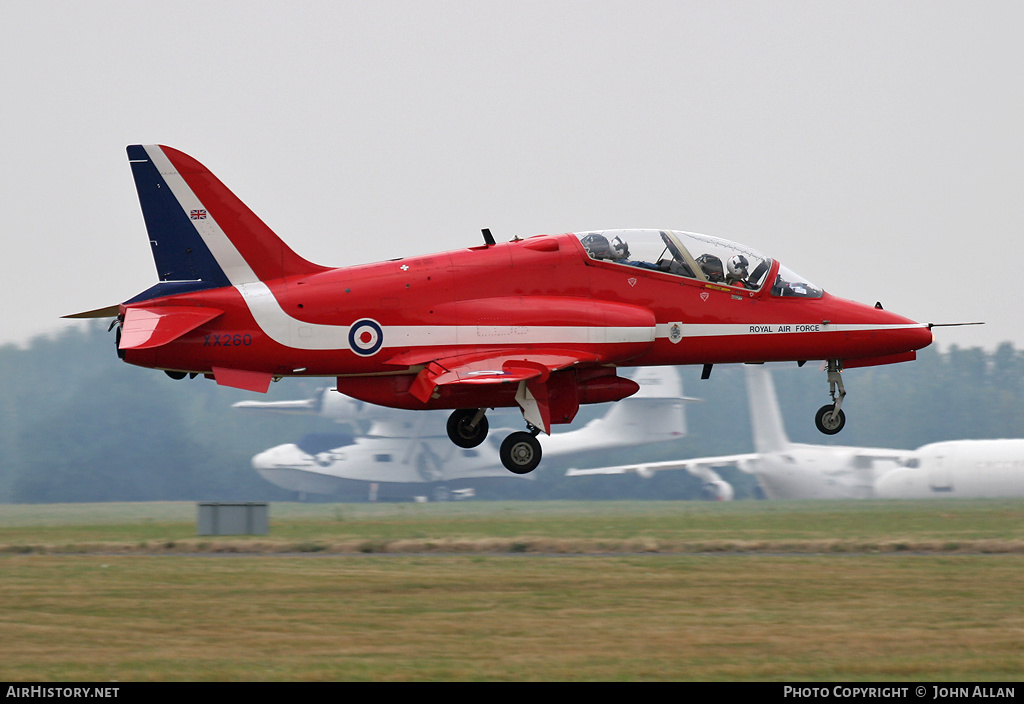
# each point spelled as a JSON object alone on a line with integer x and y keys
{"x": 198, "y": 215}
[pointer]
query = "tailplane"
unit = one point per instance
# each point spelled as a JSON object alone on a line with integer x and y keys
{"x": 202, "y": 236}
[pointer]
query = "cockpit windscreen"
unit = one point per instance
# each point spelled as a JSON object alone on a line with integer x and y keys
{"x": 694, "y": 256}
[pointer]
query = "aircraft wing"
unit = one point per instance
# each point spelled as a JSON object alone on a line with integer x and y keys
{"x": 507, "y": 366}
{"x": 512, "y": 365}
{"x": 699, "y": 467}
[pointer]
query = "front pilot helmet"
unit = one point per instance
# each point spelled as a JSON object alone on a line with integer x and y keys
{"x": 737, "y": 265}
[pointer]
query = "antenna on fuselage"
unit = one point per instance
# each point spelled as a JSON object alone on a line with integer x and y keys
{"x": 488, "y": 238}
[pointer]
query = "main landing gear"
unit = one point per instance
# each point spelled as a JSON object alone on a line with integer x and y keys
{"x": 467, "y": 427}
{"x": 830, "y": 418}
{"x": 520, "y": 452}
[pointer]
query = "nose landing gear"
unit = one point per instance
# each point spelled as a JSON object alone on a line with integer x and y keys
{"x": 830, "y": 418}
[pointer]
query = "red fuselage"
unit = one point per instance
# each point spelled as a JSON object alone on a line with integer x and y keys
{"x": 514, "y": 295}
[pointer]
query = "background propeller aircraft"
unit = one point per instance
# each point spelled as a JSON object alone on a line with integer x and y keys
{"x": 402, "y": 447}
{"x": 787, "y": 470}
{"x": 540, "y": 323}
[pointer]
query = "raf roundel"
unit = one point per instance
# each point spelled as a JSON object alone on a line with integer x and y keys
{"x": 365, "y": 337}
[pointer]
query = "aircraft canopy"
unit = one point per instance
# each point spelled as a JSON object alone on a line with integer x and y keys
{"x": 694, "y": 256}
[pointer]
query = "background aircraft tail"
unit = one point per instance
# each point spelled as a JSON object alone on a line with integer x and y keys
{"x": 765, "y": 414}
{"x": 201, "y": 234}
{"x": 654, "y": 414}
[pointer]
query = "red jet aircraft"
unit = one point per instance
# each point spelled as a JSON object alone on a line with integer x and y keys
{"x": 541, "y": 323}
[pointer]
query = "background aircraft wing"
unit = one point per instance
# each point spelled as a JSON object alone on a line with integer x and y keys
{"x": 307, "y": 406}
{"x": 714, "y": 487}
{"x": 871, "y": 454}
{"x": 699, "y": 467}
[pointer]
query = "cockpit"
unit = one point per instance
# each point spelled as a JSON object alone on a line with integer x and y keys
{"x": 693, "y": 256}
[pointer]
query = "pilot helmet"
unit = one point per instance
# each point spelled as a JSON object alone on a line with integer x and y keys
{"x": 619, "y": 249}
{"x": 737, "y": 265}
{"x": 597, "y": 246}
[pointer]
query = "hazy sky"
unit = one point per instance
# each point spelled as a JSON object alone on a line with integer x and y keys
{"x": 874, "y": 147}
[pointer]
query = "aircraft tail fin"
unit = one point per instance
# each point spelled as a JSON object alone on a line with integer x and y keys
{"x": 637, "y": 421}
{"x": 765, "y": 415}
{"x": 655, "y": 413}
{"x": 657, "y": 382}
{"x": 201, "y": 234}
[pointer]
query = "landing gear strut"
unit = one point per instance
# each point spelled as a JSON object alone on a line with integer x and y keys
{"x": 830, "y": 418}
{"x": 467, "y": 427}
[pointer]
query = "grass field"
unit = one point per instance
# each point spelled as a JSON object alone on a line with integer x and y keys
{"x": 916, "y": 591}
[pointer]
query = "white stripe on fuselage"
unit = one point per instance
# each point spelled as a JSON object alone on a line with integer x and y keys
{"x": 297, "y": 334}
{"x": 696, "y": 330}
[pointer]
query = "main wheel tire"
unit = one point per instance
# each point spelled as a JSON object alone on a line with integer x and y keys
{"x": 828, "y": 421}
{"x": 459, "y": 431}
{"x": 520, "y": 453}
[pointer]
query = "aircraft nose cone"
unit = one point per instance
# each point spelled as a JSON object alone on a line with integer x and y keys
{"x": 274, "y": 457}
{"x": 873, "y": 335}
{"x": 911, "y": 334}
{"x": 263, "y": 460}
{"x": 925, "y": 337}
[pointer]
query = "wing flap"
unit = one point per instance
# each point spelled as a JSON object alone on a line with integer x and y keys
{"x": 144, "y": 328}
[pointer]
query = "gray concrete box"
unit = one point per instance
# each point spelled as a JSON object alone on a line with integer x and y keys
{"x": 233, "y": 519}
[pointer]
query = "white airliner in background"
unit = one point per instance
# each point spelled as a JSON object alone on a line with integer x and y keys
{"x": 960, "y": 468}
{"x": 402, "y": 447}
{"x": 786, "y": 470}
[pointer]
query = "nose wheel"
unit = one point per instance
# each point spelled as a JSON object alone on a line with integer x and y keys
{"x": 467, "y": 427}
{"x": 830, "y": 418}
